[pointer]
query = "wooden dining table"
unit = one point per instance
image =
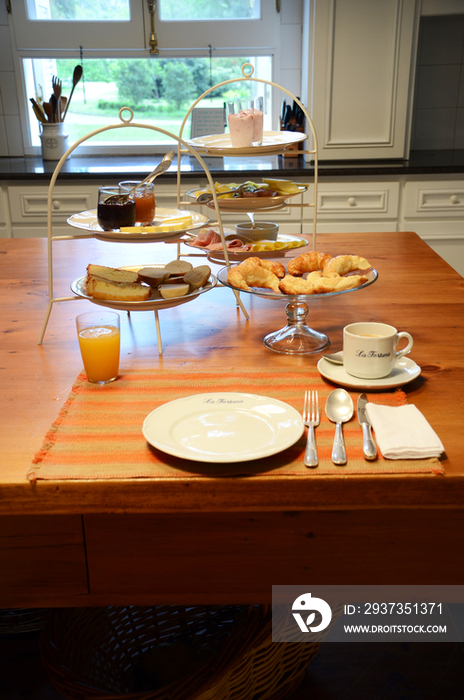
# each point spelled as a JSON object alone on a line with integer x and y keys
{"x": 219, "y": 538}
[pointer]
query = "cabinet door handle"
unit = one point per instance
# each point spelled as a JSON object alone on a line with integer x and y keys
{"x": 454, "y": 199}
{"x": 351, "y": 201}
{"x": 56, "y": 204}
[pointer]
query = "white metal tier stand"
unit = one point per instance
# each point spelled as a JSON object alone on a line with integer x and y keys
{"x": 125, "y": 123}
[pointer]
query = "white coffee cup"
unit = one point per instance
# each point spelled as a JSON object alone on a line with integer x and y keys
{"x": 369, "y": 349}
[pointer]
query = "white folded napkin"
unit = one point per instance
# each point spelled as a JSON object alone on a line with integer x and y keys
{"x": 402, "y": 432}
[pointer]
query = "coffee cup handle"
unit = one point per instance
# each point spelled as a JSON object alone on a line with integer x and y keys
{"x": 408, "y": 347}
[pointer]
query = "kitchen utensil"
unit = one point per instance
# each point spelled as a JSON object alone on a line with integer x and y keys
{"x": 77, "y": 75}
{"x": 54, "y": 105}
{"x": 48, "y": 109}
{"x": 335, "y": 357}
{"x": 38, "y": 111}
{"x": 205, "y": 197}
{"x": 56, "y": 82}
{"x": 311, "y": 420}
{"x": 160, "y": 168}
{"x": 369, "y": 448}
{"x": 339, "y": 409}
{"x": 63, "y": 103}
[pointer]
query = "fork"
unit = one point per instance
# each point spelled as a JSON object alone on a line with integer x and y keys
{"x": 311, "y": 420}
{"x": 56, "y": 83}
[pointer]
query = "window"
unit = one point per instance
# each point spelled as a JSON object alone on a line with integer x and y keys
{"x": 201, "y": 43}
{"x": 181, "y": 10}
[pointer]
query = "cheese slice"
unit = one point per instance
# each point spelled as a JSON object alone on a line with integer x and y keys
{"x": 172, "y": 224}
{"x": 285, "y": 186}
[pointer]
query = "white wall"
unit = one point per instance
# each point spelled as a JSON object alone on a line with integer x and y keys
{"x": 11, "y": 143}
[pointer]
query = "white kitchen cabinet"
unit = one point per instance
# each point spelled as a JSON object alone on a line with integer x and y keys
{"x": 357, "y": 206}
{"x": 4, "y": 230}
{"x": 434, "y": 209}
{"x": 359, "y": 65}
{"x": 28, "y": 207}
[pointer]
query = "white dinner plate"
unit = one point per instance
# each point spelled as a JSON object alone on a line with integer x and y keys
{"x": 237, "y": 254}
{"x": 223, "y": 427}
{"x": 405, "y": 371}
{"x": 249, "y": 203}
{"x": 220, "y": 144}
{"x": 87, "y": 220}
{"x": 152, "y": 304}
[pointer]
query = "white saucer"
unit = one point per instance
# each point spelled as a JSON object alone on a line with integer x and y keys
{"x": 404, "y": 372}
{"x": 223, "y": 427}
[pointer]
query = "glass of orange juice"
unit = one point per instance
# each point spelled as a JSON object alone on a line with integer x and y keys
{"x": 99, "y": 341}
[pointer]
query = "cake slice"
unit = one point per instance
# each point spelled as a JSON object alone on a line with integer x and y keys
{"x": 113, "y": 274}
{"x": 99, "y": 288}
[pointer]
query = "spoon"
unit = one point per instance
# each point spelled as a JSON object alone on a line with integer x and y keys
{"x": 205, "y": 197}
{"x": 160, "y": 168}
{"x": 48, "y": 109}
{"x": 335, "y": 357}
{"x": 339, "y": 409}
{"x": 251, "y": 214}
{"x": 77, "y": 75}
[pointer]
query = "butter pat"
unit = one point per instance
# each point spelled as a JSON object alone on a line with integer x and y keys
{"x": 171, "y": 291}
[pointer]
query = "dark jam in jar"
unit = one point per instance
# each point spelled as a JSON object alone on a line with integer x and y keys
{"x": 115, "y": 212}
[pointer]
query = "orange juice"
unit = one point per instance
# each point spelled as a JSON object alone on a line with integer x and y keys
{"x": 100, "y": 352}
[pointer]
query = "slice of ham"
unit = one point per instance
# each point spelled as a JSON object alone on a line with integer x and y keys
{"x": 209, "y": 238}
{"x": 206, "y": 237}
{"x": 234, "y": 243}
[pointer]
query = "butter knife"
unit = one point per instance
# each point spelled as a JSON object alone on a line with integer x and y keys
{"x": 369, "y": 447}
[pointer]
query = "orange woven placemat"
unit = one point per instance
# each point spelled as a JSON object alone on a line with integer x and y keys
{"x": 98, "y": 432}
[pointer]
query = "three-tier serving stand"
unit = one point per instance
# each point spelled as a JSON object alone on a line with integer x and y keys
{"x": 296, "y": 337}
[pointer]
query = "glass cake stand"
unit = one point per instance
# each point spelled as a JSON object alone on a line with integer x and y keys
{"x": 297, "y": 338}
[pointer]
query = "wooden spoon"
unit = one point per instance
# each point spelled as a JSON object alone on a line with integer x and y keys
{"x": 77, "y": 75}
{"x": 48, "y": 109}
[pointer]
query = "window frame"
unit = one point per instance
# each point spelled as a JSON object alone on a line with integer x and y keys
{"x": 167, "y": 32}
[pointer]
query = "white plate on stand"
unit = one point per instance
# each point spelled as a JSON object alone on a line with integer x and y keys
{"x": 154, "y": 303}
{"x": 220, "y": 144}
{"x": 405, "y": 371}
{"x": 223, "y": 427}
{"x": 236, "y": 254}
{"x": 246, "y": 204}
{"x": 87, "y": 221}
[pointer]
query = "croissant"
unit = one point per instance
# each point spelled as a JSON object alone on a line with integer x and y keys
{"x": 276, "y": 267}
{"x": 250, "y": 274}
{"x": 307, "y": 262}
{"x": 297, "y": 285}
{"x": 315, "y": 283}
{"x": 341, "y": 264}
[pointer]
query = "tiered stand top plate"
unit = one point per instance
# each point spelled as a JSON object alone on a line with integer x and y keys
{"x": 220, "y": 144}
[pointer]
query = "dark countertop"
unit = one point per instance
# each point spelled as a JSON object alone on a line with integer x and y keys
{"x": 136, "y": 167}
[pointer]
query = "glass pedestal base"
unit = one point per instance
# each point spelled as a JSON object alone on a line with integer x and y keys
{"x": 296, "y": 338}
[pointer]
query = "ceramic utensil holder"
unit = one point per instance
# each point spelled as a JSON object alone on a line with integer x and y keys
{"x": 54, "y": 141}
